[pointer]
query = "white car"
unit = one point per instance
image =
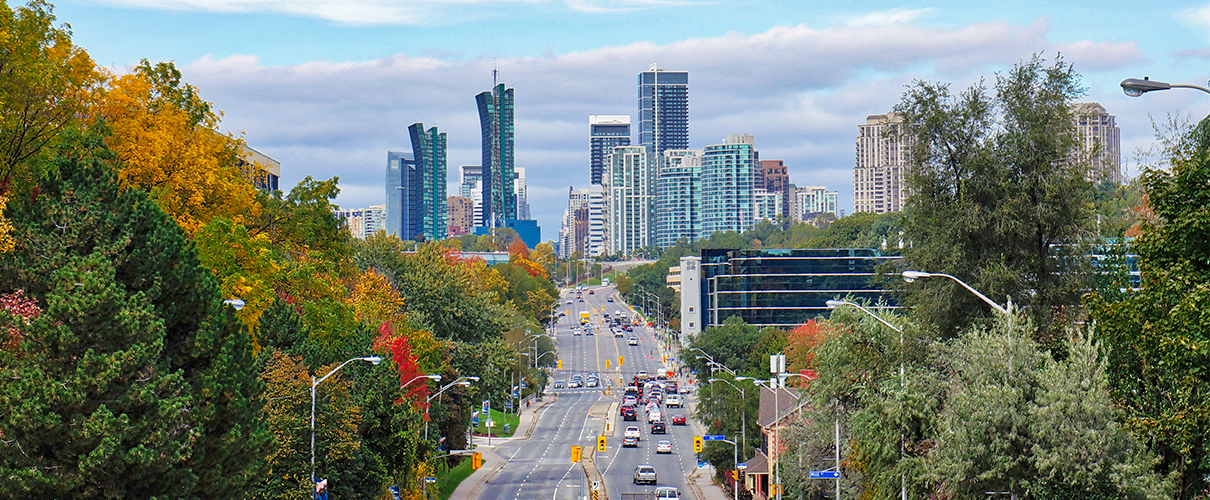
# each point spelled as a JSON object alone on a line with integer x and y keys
{"x": 633, "y": 341}
{"x": 673, "y": 401}
{"x": 655, "y": 416}
{"x": 664, "y": 446}
{"x": 633, "y": 432}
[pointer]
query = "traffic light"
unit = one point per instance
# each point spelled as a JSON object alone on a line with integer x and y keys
{"x": 600, "y": 443}
{"x": 697, "y": 444}
{"x": 664, "y": 358}
{"x": 607, "y": 364}
{"x": 619, "y": 361}
{"x": 476, "y": 460}
{"x": 575, "y": 454}
{"x": 560, "y": 364}
{"x": 735, "y": 475}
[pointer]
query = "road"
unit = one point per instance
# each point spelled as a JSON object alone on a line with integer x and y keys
{"x": 540, "y": 467}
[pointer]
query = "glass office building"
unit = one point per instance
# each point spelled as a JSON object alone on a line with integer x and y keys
{"x": 428, "y": 150}
{"x": 496, "y": 125}
{"x": 728, "y": 172}
{"x": 782, "y": 287}
{"x": 605, "y": 133}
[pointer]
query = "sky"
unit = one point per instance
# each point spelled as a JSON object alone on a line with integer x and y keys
{"x": 327, "y": 88}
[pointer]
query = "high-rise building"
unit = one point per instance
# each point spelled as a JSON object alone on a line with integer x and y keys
{"x": 728, "y": 172}
{"x": 521, "y": 190}
{"x": 428, "y": 149}
{"x": 573, "y": 236}
{"x": 663, "y": 110}
{"x": 811, "y": 201}
{"x": 774, "y": 178}
{"x": 766, "y": 205}
{"x": 596, "y": 221}
{"x": 678, "y": 197}
{"x": 402, "y": 191}
{"x": 496, "y": 125}
{"x": 471, "y": 186}
{"x": 605, "y": 132}
{"x": 460, "y": 215}
{"x": 629, "y": 184}
{"x": 1100, "y": 139}
{"x": 882, "y": 162}
{"x": 362, "y": 222}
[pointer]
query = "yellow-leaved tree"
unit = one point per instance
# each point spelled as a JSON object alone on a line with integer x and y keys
{"x": 168, "y": 141}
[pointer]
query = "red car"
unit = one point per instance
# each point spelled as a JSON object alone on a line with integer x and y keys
{"x": 678, "y": 419}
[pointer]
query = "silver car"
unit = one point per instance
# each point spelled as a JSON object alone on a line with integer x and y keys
{"x": 644, "y": 474}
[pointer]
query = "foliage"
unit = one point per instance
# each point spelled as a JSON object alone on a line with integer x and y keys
{"x": 1157, "y": 337}
{"x": 999, "y": 196}
{"x": 169, "y": 145}
{"x": 732, "y": 344}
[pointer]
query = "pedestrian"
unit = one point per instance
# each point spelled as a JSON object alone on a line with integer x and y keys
{"x": 527, "y": 403}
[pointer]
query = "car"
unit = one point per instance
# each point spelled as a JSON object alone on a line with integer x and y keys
{"x": 644, "y": 474}
{"x": 568, "y": 301}
{"x": 678, "y": 419}
{"x": 630, "y": 401}
{"x": 652, "y": 407}
{"x": 587, "y": 331}
{"x": 633, "y": 431}
{"x": 630, "y": 442}
{"x": 575, "y": 383}
{"x": 643, "y": 375}
{"x": 655, "y": 416}
{"x": 674, "y": 401}
{"x": 667, "y": 493}
{"x": 633, "y": 341}
{"x": 658, "y": 427}
{"x": 609, "y": 299}
{"x": 592, "y": 292}
{"x": 618, "y": 333}
{"x": 628, "y": 414}
{"x": 575, "y": 332}
{"x": 559, "y": 384}
{"x": 664, "y": 446}
{"x": 592, "y": 381}
{"x": 581, "y": 300}
{"x": 672, "y": 388}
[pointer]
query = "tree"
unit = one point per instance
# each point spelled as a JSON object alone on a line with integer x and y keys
{"x": 1156, "y": 336}
{"x": 999, "y": 196}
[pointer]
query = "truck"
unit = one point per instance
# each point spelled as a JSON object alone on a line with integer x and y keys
{"x": 583, "y": 317}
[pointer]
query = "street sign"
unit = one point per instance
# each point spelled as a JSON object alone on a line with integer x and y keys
{"x": 742, "y": 466}
{"x": 430, "y": 479}
{"x": 825, "y": 474}
{"x": 487, "y": 406}
{"x": 475, "y": 419}
{"x": 713, "y": 437}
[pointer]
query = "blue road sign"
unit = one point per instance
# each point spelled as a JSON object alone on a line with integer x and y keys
{"x": 475, "y": 419}
{"x": 713, "y": 437}
{"x": 825, "y": 474}
{"x": 430, "y": 479}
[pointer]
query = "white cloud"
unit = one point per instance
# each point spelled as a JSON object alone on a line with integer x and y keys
{"x": 1197, "y": 16}
{"x": 888, "y": 17}
{"x": 801, "y": 92}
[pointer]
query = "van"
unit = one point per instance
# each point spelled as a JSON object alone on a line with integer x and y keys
{"x": 667, "y": 492}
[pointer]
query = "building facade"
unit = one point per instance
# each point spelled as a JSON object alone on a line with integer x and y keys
{"x": 629, "y": 184}
{"x": 460, "y": 216}
{"x": 268, "y": 170}
{"x": 496, "y": 126}
{"x": 678, "y": 197}
{"x": 811, "y": 201}
{"x": 728, "y": 172}
{"x": 774, "y": 177}
{"x": 776, "y": 287}
{"x": 663, "y": 110}
{"x": 1100, "y": 140}
{"x": 766, "y": 205}
{"x": 470, "y": 185}
{"x": 573, "y": 235}
{"x": 363, "y": 222}
{"x": 428, "y": 150}
{"x": 882, "y": 162}
{"x": 605, "y": 132}
{"x": 521, "y": 190}
{"x": 402, "y": 185}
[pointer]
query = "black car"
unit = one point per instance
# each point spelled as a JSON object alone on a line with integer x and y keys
{"x": 659, "y": 428}
{"x": 629, "y": 414}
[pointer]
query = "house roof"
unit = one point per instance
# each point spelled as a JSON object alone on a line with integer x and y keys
{"x": 758, "y": 464}
{"x": 786, "y": 403}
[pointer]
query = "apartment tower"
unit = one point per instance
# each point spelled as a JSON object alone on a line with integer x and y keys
{"x": 882, "y": 161}
{"x": 663, "y": 110}
{"x": 605, "y": 132}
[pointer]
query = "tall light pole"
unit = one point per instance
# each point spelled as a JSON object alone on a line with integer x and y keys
{"x": 462, "y": 381}
{"x": 743, "y": 414}
{"x": 832, "y": 304}
{"x": 372, "y": 359}
{"x": 911, "y": 276}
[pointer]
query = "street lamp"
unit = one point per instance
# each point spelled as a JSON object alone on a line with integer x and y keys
{"x": 236, "y": 303}
{"x": 773, "y": 385}
{"x": 462, "y": 381}
{"x": 1134, "y": 87}
{"x": 743, "y": 415}
{"x": 372, "y": 359}
{"x": 911, "y": 276}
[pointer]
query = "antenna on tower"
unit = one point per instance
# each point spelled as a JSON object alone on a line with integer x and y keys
{"x": 495, "y": 72}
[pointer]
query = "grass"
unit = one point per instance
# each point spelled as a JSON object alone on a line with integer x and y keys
{"x": 512, "y": 419}
{"x": 448, "y": 482}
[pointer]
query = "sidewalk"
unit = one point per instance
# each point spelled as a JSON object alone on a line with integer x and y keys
{"x": 473, "y": 485}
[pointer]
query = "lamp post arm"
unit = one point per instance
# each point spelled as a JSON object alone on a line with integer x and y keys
{"x": 342, "y": 365}
{"x": 871, "y": 313}
{"x": 1190, "y": 86}
{"x": 976, "y": 292}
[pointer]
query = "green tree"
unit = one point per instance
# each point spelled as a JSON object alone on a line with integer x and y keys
{"x": 999, "y": 197}
{"x": 1157, "y": 337}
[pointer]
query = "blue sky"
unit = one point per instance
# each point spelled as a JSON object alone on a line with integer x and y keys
{"x": 328, "y": 88}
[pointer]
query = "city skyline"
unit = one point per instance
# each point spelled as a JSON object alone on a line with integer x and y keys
{"x": 807, "y": 79}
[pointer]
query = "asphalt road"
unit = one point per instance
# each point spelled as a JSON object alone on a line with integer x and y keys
{"x": 540, "y": 467}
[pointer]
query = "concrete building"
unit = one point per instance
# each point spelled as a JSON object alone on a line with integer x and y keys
{"x": 521, "y": 190}
{"x": 1100, "y": 141}
{"x": 766, "y": 205}
{"x": 596, "y": 245}
{"x": 774, "y": 177}
{"x": 496, "y": 126}
{"x": 678, "y": 197}
{"x": 728, "y": 173}
{"x": 362, "y": 222}
{"x": 573, "y": 235}
{"x": 882, "y": 162}
{"x": 629, "y": 185}
{"x": 811, "y": 201}
{"x": 470, "y": 185}
{"x": 605, "y": 132}
{"x": 663, "y": 110}
{"x": 268, "y": 170}
{"x": 460, "y": 214}
{"x": 691, "y": 296}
